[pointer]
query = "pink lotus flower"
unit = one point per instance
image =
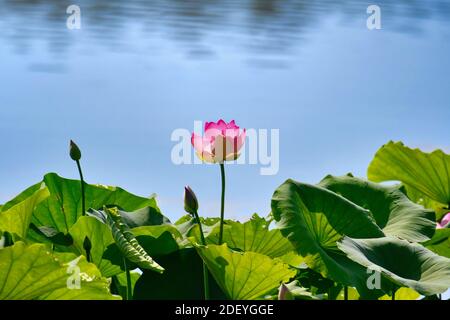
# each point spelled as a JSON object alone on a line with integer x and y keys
{"x": 221, "y": 142}
{"x": 445, "y": 220}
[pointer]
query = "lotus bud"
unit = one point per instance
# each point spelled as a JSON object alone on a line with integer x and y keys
{"x": 87, "y": 245}
{"x": 75, "y": 152}
{"x": 190, "y": 201}
{"x": 6, "y": 240}
{"x": 445, "y": 222}
{"x": 284, "y": 293}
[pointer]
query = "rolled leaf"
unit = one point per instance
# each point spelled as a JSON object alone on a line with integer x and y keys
{"x": 125, "y": 240}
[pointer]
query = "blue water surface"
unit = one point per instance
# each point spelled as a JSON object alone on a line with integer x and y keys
{"x": 137, "y": 70}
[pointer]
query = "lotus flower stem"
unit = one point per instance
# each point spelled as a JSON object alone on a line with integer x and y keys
{"x": 83, "y": 195}
{"x": 222, "y": 202}
{"x": 75, "y": 154}
{"x": 129, "y": 293}
{"x": 202, "y": 236}
{"x": 205, "y": 269}
{"x": 191, "y": 207}
{"x": 345, "y": 293}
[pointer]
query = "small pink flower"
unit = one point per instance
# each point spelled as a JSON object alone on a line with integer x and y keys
{"x": 221, "y": 142}
{"x": 445, "y": 220}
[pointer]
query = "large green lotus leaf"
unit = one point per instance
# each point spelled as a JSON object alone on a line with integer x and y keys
{"x": 158, "y": 240}
{"x": 253, "y": 235}
{"x": 100, "y": 237}
{"x": 92, "y": 287}
{"x": 317, "y": 284}
{"x": 181, "y": 280}
{"x": 32, "y": 272}
{"x": 148, "y": 216}
{"x": 49, "y": 235}
{"x": 314, "y": 219}
{"x": 95, "y": 290}
{"x": 440, "y": 243}
{"x": 22, "y": 196}
{"x": 244, "y": 275}
{"x": 428, "y": 173}
{"x": 418, "y": 197}
{"x": 62, "y": 209}
{"x": 293, "y": 259}
{"x": 405, "y": 264}
{"x": 207, "y": 221}
{"x": 188, "y": 227}
{"x": 17, "y": 218}
{"x": 394, "y": 213}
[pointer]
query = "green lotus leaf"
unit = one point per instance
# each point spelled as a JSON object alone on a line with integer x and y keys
{"x": 293, "y": 259}
{"x": 158, "y": 240}
{"x": 62, "y": 209}
{"x": 187, "y": 226}
{"x": 253, "y": 235}
{"x": 96, "y": 290}
{"x": 428, "y": 173}
{"x": 92, "y": 287}
{"x": 440, "y": 243}
{"x": 22, "y": 196}
{"x": 100, "y": 237}
{"x": 148, "y": 216}
{"x": 317, "y": 284}
{"x": 49, "y": 235}
{"x": 33, "y": 272}
{"x": 17, "y": 218}
{"x": 244, "y": 275}
{"x": 206, "y": 221}
{"x": 394, "y": 213}
{"x": 314, "y": 219}
{"x": 405, "y": 264}
{"x": 418, "y": 197}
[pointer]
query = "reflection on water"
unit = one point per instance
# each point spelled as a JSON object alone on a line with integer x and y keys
{"x": 273, "y": 27}
{"x": 138, "y": 69}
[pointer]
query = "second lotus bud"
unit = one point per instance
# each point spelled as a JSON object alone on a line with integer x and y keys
{"x": 75, "y": 152}
{"x": 190, "y": 201}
